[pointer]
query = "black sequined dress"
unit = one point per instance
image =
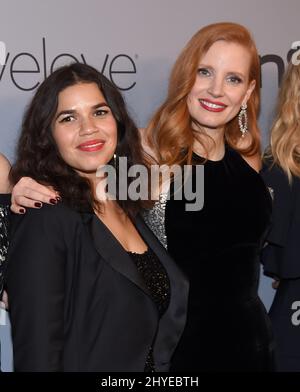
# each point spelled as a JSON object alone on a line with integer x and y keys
{"x": 158, "y": 284}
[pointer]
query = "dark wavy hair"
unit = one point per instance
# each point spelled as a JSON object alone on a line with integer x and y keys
{"x": 38, "y": 156}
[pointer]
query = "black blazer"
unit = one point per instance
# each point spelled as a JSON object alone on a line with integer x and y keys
{"x": 281, "y": 256}
{"x": 77, "y": 301}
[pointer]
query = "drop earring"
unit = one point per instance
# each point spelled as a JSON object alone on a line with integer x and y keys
{"x": 243, "y": 119}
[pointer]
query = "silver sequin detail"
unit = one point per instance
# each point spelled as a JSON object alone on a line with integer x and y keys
{"x": 4, "y": 210}
{"x": 155, "y": 218}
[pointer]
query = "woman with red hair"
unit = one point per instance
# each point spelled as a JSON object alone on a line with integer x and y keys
{"x": 210, "y": 118}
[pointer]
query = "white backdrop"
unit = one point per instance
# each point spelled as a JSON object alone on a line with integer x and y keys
{"x": 134, "y": 42}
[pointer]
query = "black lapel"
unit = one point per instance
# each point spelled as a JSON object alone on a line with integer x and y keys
{"x": 112, "y": 251}
{"x": 172, "y": 323}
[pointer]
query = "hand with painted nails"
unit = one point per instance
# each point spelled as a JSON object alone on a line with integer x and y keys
{"x": 29, "y": 193}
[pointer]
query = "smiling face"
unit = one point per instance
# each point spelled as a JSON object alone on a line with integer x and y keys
{"x": 84, "y": 128}
{"x": 222, "y": 85}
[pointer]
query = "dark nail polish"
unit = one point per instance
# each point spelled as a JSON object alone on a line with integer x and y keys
{"x": 21, "y": 211}
{"x": 53, "y": 201}
{"x": 38, "y": 204}
{"x": 58, "y": 198}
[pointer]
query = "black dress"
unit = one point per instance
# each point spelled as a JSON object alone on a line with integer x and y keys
{"x": 218, "y": 248}
{"x": 281, "y": 259}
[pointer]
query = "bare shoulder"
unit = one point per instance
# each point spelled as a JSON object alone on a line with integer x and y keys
{"x": 4, "y": 172}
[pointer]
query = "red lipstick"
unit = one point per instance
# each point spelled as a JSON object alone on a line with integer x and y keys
{"x": 91, "y": 145}
{"x": 212, "y": 106}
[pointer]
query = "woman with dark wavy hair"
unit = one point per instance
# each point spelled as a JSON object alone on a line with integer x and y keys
{"x": 90, "y": 288}
{"x": 209, "y": 118}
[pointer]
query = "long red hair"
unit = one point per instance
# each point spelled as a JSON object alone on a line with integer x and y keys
{"x": 170, "y": 132}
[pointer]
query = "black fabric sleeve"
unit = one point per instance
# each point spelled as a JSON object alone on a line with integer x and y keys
{"x": 35, "y": 284}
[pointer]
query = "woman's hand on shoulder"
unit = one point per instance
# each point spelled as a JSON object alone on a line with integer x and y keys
{"x": 29, "y": 193}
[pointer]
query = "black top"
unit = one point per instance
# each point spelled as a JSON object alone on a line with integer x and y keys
{"x": 218, "y": 248}
{"x": 77, "y": 300}
{"x": 281, "y": 256}
{"x": 4, "y": 223}
{"x": 156, "y": 279}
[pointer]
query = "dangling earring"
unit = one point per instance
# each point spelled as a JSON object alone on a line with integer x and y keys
{"x": 115, "y": 162}
{"x": 243, "y": 119}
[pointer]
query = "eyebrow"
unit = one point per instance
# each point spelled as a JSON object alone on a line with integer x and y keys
{"x": 98, "y": 105}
